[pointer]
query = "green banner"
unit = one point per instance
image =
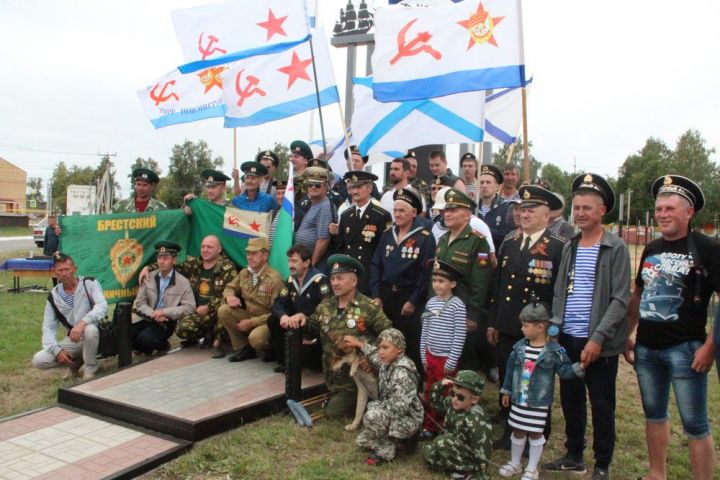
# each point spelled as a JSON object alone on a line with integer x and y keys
{"x": 114, "y": 248}
{"x": 207, "y": 219}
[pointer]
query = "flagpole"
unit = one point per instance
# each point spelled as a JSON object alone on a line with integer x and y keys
{"x": 526, "y": 153}
{"x": 481, "y": 146}
{"x": 317, "y": 95}
{"x": 347, "y": 137}
{"x": 234, "y": 147}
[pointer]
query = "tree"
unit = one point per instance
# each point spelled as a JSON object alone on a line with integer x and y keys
{"x": 283, "y": 153}
{"x": 34, "y": 190}
{"x": 186, "y": 163}
{"x": 62, "y": 177}
{"x": 559, "y": 181}
{"x": 500, "y": 159}
{"x": 691, "y": 159}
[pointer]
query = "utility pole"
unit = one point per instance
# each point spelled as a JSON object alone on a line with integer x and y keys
{"x": 103, "y": 198}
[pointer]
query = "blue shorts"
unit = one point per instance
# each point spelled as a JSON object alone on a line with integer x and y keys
{"x": 658, "y": 368}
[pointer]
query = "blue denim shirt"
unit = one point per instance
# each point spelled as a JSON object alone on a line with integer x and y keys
{"x": 552, "y": 360}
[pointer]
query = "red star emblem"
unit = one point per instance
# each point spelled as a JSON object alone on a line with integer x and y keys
{"x": 273, "y": 25}
{"x": 480, "y": 26}
{"x": 296, "y": 69}
{"x": 211, "y": 78}
{"x": 255, "y": 226}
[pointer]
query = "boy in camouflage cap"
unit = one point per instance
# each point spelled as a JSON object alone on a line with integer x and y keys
{"x": 465, "y": 446}
{"x": 395, "y": 417}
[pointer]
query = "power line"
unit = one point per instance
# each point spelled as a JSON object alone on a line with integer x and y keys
{"x": 61, "y": 152}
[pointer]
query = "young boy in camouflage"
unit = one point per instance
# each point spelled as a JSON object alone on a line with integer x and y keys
{"x": 465, "y": 446}
{"x": 395, "y": 417}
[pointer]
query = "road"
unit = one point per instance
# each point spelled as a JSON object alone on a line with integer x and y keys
{"x": 16, "y": 243}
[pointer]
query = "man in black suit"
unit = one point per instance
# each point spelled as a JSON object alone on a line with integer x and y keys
{"x": 361, "y": 226}
{"x": 527, "y": 266}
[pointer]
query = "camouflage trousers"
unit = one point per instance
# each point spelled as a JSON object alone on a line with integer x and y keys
{"x": 376, "y": 431}
{"x": 450, "y": 453}
{"x": 196, "y": 327}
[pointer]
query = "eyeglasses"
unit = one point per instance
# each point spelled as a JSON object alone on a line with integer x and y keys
{"x": 314, "y": 185}
{"x": 457, "y": 395}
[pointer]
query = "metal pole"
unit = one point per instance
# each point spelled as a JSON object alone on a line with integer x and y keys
{"x": 122, "y": 316}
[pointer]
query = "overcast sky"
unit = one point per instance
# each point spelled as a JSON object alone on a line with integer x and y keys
{"x": 607, "y": 76}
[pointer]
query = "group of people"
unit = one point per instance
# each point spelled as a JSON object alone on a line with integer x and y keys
{"x": 434, "y": 283}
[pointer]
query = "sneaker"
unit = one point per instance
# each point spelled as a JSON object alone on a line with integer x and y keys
{"x": 566, "y": 464}
{"x": 88, "y": 374}
{"x": 601, "y": 474}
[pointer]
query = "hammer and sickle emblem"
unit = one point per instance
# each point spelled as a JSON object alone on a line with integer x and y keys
{"x": 161, "y": 97}
{"x": 208, "y": 49}
{"x": 250, "y": 88}
{"x": 414, "y": 46}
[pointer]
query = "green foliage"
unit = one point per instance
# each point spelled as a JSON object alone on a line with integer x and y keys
{"x": 186, "y": 163}
{"x": 690, "y": 158}
{"x": 283, "y": 153}
{"x": 63, "y": 176}
{"x": 500, "y": 159}
{"x": 34, "y": 190}
{"x": 559, "y": 181}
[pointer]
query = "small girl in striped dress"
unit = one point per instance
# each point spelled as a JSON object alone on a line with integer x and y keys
{"x": 442, "y": 337}
{"x": 529, "y": 386}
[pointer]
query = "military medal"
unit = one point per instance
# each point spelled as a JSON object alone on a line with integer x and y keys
{"x": 350, "y": 323}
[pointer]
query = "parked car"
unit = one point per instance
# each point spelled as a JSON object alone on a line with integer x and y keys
{"x": 39, "y": 232}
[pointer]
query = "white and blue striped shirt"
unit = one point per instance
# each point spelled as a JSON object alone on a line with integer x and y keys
{"x": 579, "y": 303}
{"x": 444, "y": 329}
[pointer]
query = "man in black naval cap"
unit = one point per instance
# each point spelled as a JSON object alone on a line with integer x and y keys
{"x": 676, "y": 277}
{"x": 144, "y": 181}
{"x": 361, "y": 225}
{"x": 400, "y": 269}
{"x": 590, "y": 302}
{"x": 492, "y": 209}
{"x": 163, "y": 298}
{"x": 527, "y": 269}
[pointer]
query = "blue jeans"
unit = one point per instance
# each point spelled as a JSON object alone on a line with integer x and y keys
{"x": 657, "y": 369}
{"x": 716, "y": 340}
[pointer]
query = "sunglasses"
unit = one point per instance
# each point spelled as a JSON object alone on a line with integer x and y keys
{"x": 457, "y": 395}
{"x": 314, "y": 185}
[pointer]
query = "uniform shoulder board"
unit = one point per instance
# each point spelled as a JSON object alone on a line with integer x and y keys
{"x": 425, "y": 232}
{"x": 388, "y": 227}
{"x": 375, "y": 201}
{"x": 228, "y": 266}
{"x": 324, "y": 290}
{"x": 379, "y": 208}
{"x": 561, "y": 239}
{"x": 318, "y": 279}
{"x": 478, "y": 234}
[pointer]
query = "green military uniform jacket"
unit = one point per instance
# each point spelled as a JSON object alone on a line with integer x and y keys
{"x": 469, "y": 253}
{"x": 128, "y": 206}
{"x": 361, "y": 318}
{"x": 257, "y": 300}
{"x": 222, "y": 274}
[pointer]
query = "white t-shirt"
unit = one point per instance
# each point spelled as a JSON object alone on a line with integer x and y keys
{"x": 475, "y": 223}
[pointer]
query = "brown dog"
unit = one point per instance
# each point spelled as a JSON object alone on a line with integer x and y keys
{"x": 367, "y": 383}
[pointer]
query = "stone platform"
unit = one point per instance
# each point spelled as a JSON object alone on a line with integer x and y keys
{"x": 188, "y": 395}
{"x": 60, "y": 443}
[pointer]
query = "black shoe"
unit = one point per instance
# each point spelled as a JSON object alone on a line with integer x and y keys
{"x": 269, "y": 357}
{"x": 405, "y": 446}
{"x": 246, "y": 353}
{"x": 217, "y": 352}
{"x": 280, "y": 369}
{"x": 601, "y": 474}
{"x": 502, "y": 443}
{"x": 566, "y": 464}
{"x": 188, "y": 343}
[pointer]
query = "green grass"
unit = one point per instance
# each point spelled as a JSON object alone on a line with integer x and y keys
{"x": 275, "y": 447}
{"x": 15, "y": 231}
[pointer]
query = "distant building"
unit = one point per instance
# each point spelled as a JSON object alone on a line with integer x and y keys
{"x": 13, "y": 184}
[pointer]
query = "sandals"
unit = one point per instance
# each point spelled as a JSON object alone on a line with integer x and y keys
{"x": 530, "y": 475}
{"x": 510, "y": 469}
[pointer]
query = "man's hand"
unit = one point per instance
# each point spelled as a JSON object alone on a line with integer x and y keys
{"x": 492, "y": 335}
{"x": 245, "y": 325}
{"x": 233, "y": 301}
{"x": 471, "y": 325}
{"x": 407, "y": 309}
{"x": 188, "y": 197}
{"x": 629, "y": 352}
{"x": 446, "y": 381}
{"x": 506, "y": 401}
{"x": 143, "y": 274}
{"x": 333, "y": 228}
{"x": 590, "y": 353}
{"x": 58, "y": 230}
{"x": 77, "y": 331}
{"x": 202, "y": 310}
{"x": 64, "y": 357}
{"x": 157, "y": 314}
{"x": 364, "y": 365}
{"x": 704, "y": 358}
{"x": 353, "y": 341}
{"x": 377, "y": 302}
{"x": 235, "y": 174}
{"x": 301, "y": 319}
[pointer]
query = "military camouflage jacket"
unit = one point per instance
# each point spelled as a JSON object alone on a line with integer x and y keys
{"x": 128, "y": 206}
{"x": 361, "y": 318}
{"x": 222, "y": 273}
{"x": 397, "y": 388}
{"x": 472, "y": 426}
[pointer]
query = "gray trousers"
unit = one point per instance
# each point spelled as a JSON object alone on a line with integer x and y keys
{"x": 87, "y": 346}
